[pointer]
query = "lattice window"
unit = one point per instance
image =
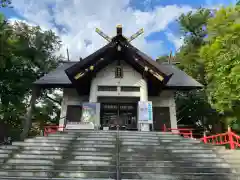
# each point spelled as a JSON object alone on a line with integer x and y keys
{"x": 118, "y": 72}
{"x": 107, "y": 88}
{"x": 130, "y": 89}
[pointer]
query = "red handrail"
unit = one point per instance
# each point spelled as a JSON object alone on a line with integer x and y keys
{"x": 221, "y": 139}
{"x": 52, "y": 129}
{"x": 186, "y": 132}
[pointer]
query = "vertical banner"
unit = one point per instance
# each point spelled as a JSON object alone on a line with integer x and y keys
{"x": 145, "y": 113}
{"x": 90, "y": 113}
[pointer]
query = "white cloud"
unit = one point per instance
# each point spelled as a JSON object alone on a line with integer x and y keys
{"x": 176, "y": 40}
{"x": 80, "y": 18}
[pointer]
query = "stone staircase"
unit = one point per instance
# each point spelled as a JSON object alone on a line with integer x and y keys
{"x": 125, "y": 155}
{"x": 147, "y": 155}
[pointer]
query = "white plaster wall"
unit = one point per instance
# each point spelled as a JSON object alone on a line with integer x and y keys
{"x": 70, "y": 97}
{"x": 106, "y": 77}
{"x": 166, "y": 99}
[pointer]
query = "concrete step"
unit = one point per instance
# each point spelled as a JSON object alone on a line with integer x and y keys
{"x": 97, "y": 138}
{"x": 35, "y": 167}
{"x": 146, "y": 157}
{"x": 191, "y": 151}
{"x": 68, "y": 141}
{"x": 9, "y": 147}
{"x": 62, "y": 144}
{"x": 173, "y": 164}
{"x": 99, "y": 158}
{"x": 88, "y": 132}
{"x": 93, "y": 134}
{"x": 187, "y": 160}
{"x": 77, "y": 151}
{"x": 39, "y": 144}
{"x": 162, "y": 170}
{"x": 125, "y": 136}
{"x": 88, "y": 174}
{"x": 30, "y": 161}
{"x": 93, "y": 153}
{"x": 168, "y": 154}
{"x": 55, "y": 157}
{"x": 146, "y": 133}
{"x": 95, "y": 145}
{"x": 48, "y": 162}
{"x": 69, "y": 174}
{"x": 95, "y": 149}
{"x": 34, "y": 156}
{"x": 126, "y": 148}
{"x": 129, "y": 151}
{"x": 140, "y": 140}
{"x": 51, "y": 138}
{"x": 41, "y": 178}
{"x": 91, "y": 162}
{"x": 136, "y": 143}
{"x": 179, "y": 141}
{"x": 175, "y": 176}
{"x": 62, "y": 147}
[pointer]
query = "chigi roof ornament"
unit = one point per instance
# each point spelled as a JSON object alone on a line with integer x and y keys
{"x": 119, "y": 33}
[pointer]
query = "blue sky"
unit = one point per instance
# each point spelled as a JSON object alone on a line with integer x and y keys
{"x": 75, "y": 21}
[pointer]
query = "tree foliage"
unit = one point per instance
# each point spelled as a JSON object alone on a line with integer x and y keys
{"x": 193, "y": 108}
{"x": 26, "y": 53}
{"x": 210, "y": 54}
{"x": 193, "y": 26}
{"x": 222, "y": 60}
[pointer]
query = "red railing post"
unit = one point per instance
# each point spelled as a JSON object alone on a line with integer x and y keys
{"x": 230, "y": 138}
{"x": 204, "y": 137}
{"x": 191, "y": 134}
{"x": 164, "y": 128}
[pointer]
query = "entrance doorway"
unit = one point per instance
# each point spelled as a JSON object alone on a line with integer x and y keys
{"x": 119, "y": 112}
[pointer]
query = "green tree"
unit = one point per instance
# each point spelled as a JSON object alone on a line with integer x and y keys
{"x": 221, "y": 57}
{"x": 26, "y": 53}
{"x": 192, "y": 107}
{"x": 193, "y": 26}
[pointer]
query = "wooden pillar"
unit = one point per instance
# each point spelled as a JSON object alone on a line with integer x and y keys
{"x": 27, "y": 122}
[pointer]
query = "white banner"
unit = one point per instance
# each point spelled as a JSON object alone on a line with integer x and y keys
{"x": 145, "y": 114}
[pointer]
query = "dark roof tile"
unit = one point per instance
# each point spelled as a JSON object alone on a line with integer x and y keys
{"x": 179, "y": 79}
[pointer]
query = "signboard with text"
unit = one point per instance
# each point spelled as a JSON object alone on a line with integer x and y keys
{"x": 145, "y": 113}
{"x": 90, "y": 115}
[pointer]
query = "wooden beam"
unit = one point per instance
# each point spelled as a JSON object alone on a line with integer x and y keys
{"x": 78, "y": 75}
{"x": 158, "y": 76}
{"x": 146, "y": 68}
{"x": 103, "y": 35}
{"x": 135, "y": 35}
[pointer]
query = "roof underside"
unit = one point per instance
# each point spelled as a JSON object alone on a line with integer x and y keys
{"x": 179, "y": 80}
{"x": 104, "y": 56}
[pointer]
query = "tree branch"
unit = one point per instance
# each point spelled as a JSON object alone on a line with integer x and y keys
{"x": 54, "y": 100}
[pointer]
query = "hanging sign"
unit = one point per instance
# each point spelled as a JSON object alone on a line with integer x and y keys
{"x": 145, "y": 114}
{"x": 89, "y": 118}
{"x": 90, "y": 113}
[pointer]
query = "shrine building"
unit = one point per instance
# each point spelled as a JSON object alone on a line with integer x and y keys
{"x": 121, "y": 84}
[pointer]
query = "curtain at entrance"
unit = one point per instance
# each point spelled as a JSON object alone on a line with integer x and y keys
{"x": 74, "y": 113}
{"x": 161, "y": 116}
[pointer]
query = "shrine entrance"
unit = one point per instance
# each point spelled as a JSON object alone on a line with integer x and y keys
{"x": 123, "y": 114}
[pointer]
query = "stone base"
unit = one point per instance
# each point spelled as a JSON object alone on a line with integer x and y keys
{"x": 80, "y": 126}
{"x": 144, "y": 127}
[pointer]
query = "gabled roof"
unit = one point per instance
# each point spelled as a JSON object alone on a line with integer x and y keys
{"x": 127, "y": 53}
{"x": 179, "y": 80}
{"x": 119, "y": 48}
